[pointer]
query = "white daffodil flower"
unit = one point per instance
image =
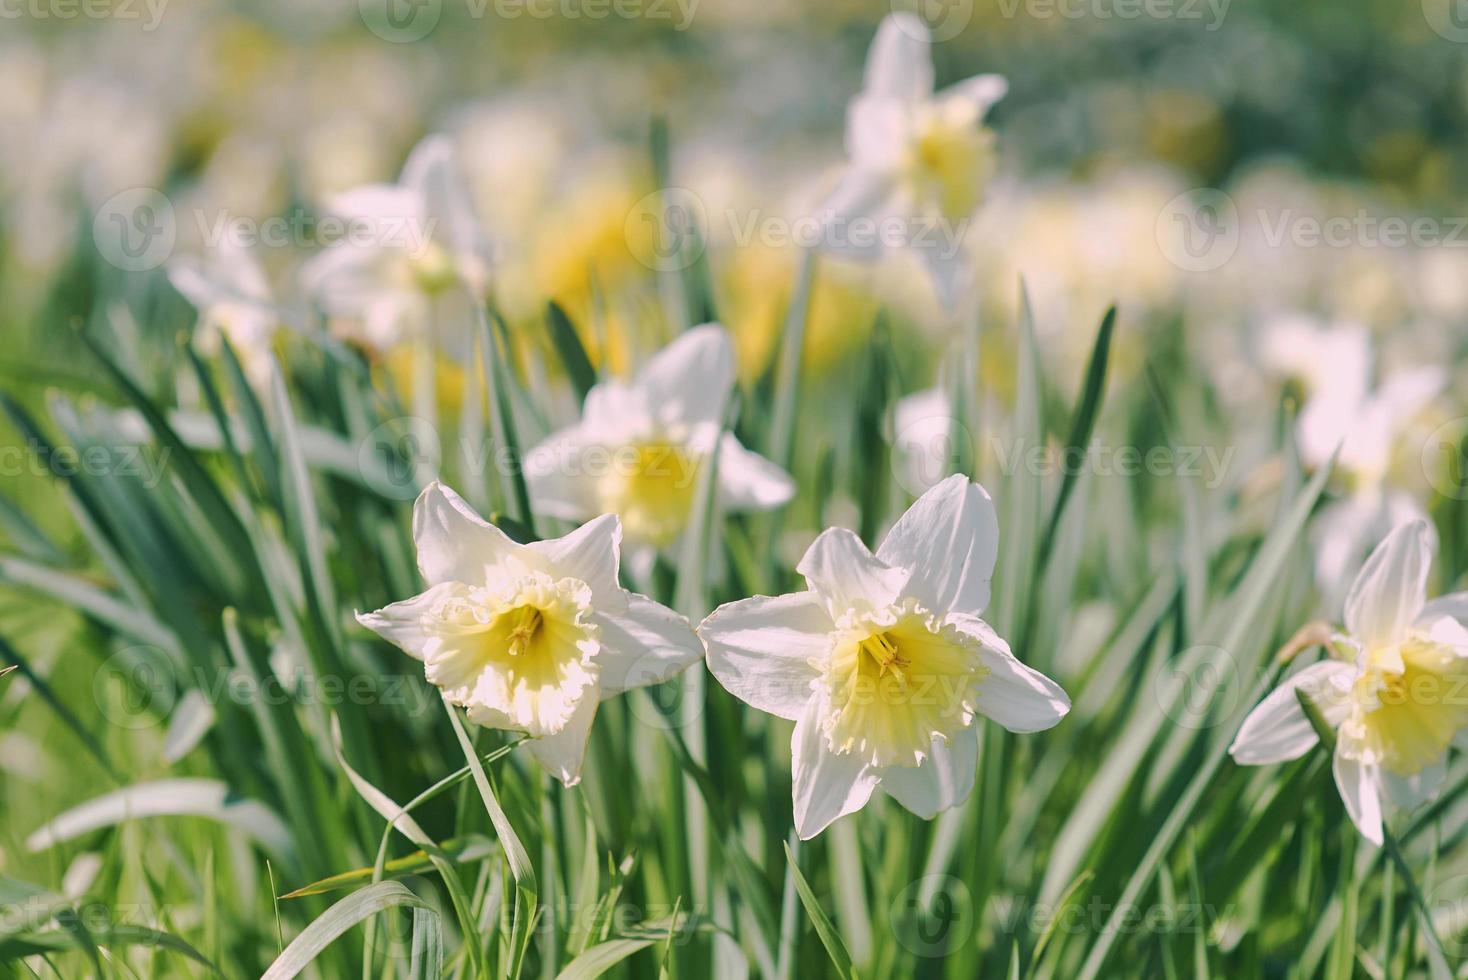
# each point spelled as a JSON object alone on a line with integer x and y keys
{"x": 918, "y": 160}
{"x": 229, "y": 289}
{"x": 924, "y": 428}
{"x": 1334, "y": 364}
{"x": 1397, "y": 696}
{"x": 637, "y": 449}
{"x": 403, "y": 245}
{"x": 884, "y": 664}
{"x": 530, "y": 638}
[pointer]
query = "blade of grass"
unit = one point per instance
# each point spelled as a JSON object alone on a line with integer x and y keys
{"x": 830, "y": 938}
{"x": 567, "y": 342}
{"x": 331, "y": 924}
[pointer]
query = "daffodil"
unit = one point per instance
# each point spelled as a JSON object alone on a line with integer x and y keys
{"x": 923, "y": 436}
{"x": 229, "y": 289}
{"x": 883, "y": 662}
{"x": 915, "y": 156}
{"x": 1395, "y": 690}
{"x": 401, "y": 247}
{"x": 638, "y": 447}
{"x": 530, "y": 638}
{"x": 1334, "y": 364}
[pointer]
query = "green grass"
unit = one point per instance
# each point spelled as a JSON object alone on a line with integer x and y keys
{"x": 319, "y": 828}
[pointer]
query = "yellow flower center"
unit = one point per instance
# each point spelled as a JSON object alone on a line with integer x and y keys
{"x": 650, "y": 486}
{"x": 950, "y": 161}
{"x": 1404, "y": 719}
{"x": 432, "y": 270}
{"x": 519, "y": 657}
{"x": 895, "y": 681}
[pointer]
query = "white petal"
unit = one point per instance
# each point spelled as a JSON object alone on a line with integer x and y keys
{"x": 942, "y": 782}
{"x": 825, "y": 785}
{"x": 401, "y": 623}
{"x": 615, "y": 412}
{"x": 187, "y": 275}
{"x": 1015, "y": 695}
{"x": 1407, "y": 793}
{"x": 1391, "y": 588}
{"x": 748, "y": 481}
{"x": 689, "y": 380}
{"x": 899, "y": 63}
{"x": 1402, "y": 395}
{"x": 849, "y": 216}
{"x": 848, "y": 576}
{"x": 433, "y": 171}
{"x": 337, "y": 275}
{"x": 1358, "y": 789}
{"x": 878, "y": 130}
{"x": 980, "y": 92}
{"x": 646, "y": 643}
{"x": 454, "y": 543}
{"x": 949, "y": 539}
{"x": 562, "y": 753}
{"x": 591, "y": 553}
{"x": 761, "y": 649}
{"x": 558, "y": 476}
{"x": 1454, "y": 604}
{"x": 1277, "y": 729}
{"x": 385, "y": 206}
{"x": 949, "y": 268}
